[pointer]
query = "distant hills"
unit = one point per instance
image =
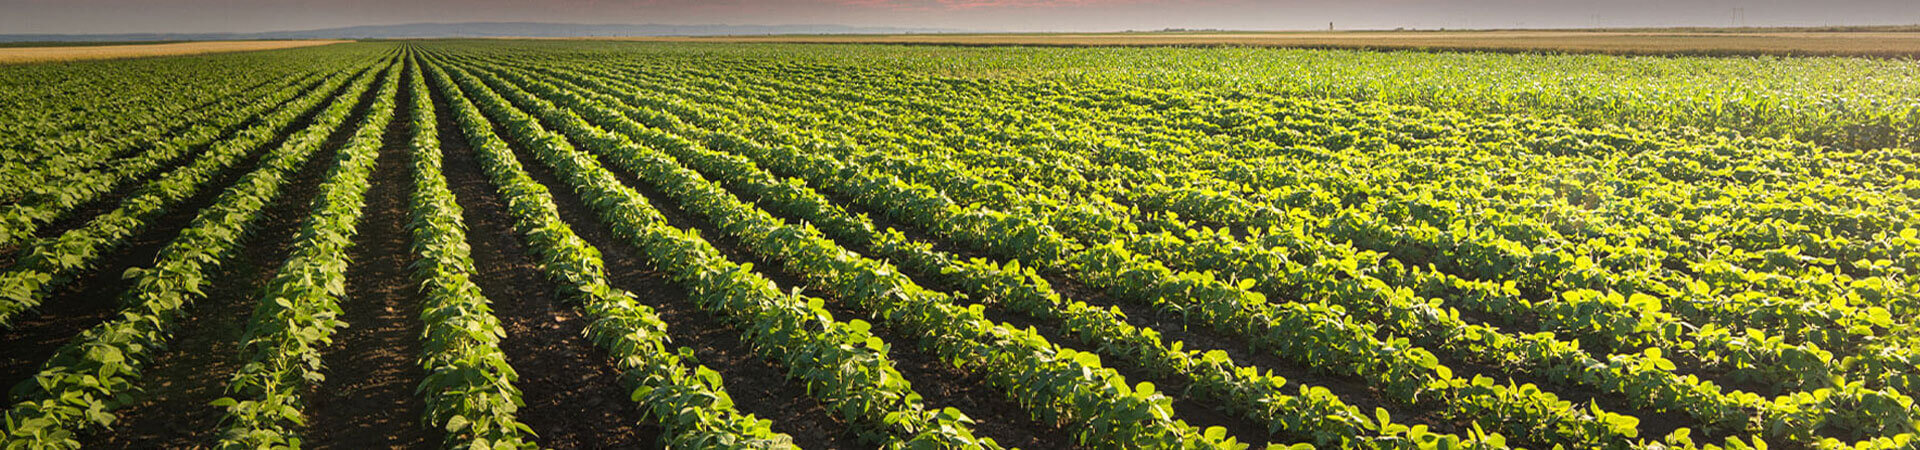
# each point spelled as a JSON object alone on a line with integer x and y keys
{"x": 484, "y": 29}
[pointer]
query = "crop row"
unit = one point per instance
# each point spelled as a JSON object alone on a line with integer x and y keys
{"x": 1314, "y": 414}
{"x": 808, "y": 177}
{"x": 56, "y": 260}
{"x": 1057, "y": 384}
{"x": 97, "y": 372}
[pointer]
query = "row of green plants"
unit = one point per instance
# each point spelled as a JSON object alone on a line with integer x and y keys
{"x": 1155, "y": 165}
{"x": 52, "y": 199}
{"x": 688, "y": 399}
{"x": 842, "y": 363}
{"x": 1891, "y": 401}
{"x": 1788, "y": 364}
{"x": 50, "y": 151}
{"x": 1818, "y": 100}
{"x": 99, "y": 371}
{"x": 1314, "y": 336}
{"x": 1875, "y": 412}
{"x": 1057, "y": 385}
{"x": 468, "y": 386}
{"x": 298, "y": 311}
{"x": 86, "y": 119}
{"x": 1238, "y": 261}
{"x": 1178, "y": 157}
{"x": 54, "y": 261}
{"x": 1864, "y": 292}
{"x": 133, "y": 90}
{"x": 1210, "y": 204}
{"x": 1313, "y": 415}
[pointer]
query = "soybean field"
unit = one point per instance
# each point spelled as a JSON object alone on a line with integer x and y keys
{"x": 600, "y": 244}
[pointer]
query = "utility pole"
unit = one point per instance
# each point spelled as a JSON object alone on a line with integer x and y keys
{"x": 1329, "y": 26}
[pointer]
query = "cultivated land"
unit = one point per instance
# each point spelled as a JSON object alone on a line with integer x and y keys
{"x": 1894, "y": 43}
{"x": 613, "y": 244}
{"x": 12, "y": 54}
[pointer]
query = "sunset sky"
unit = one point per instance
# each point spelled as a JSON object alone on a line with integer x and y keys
{"x": 128, "y": 16}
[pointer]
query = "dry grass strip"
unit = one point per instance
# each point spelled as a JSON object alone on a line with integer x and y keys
{"x": 44, "y": 54}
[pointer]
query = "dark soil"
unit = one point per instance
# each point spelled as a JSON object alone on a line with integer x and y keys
{"x": 93, "y": 297}
{"x": 174, "y": 410}
{"x": 573, "y": 393}
{"x": 368, "y": 398}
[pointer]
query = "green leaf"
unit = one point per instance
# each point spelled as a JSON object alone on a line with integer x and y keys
{"x": 457, "y": 423}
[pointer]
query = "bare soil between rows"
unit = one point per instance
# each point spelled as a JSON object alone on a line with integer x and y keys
{"x": 367, "y": 400}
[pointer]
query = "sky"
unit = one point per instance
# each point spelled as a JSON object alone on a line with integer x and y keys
{"x": 144, "y": 16}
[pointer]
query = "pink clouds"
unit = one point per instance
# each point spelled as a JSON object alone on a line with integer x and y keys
{"x": 986, "y": 4}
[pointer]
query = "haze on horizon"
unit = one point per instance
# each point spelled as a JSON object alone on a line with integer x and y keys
{"x": 206, "y": 16}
